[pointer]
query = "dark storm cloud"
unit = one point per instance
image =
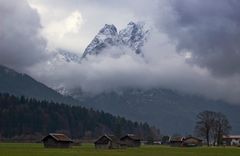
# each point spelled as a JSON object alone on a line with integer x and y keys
{"x": 210, "y": 30}
{"x": 20, "y": 43}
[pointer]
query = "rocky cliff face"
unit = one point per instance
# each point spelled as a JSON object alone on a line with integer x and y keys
{"x": 133, "y": 36}
{"x": 107, "y": 36}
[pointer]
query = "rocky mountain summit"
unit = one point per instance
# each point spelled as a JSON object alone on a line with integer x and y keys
{"x": 133, "y": 36}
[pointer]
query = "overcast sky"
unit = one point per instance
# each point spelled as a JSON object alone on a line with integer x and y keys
{"x": 194, "y": 45}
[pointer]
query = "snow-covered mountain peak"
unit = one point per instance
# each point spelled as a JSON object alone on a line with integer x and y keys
{"x": 133, "y": 36}
{"x": 136, "y": 24}
{"x": 109, "y": 30}
{"x": 107, "y": 36}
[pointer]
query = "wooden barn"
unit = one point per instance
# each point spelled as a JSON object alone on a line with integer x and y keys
{"x": 191, "y": 142}
{"x": 56, "y": 140}
{"x": 131, "y": 140}
{"x": 185, "y": 141}
{"x": 176, "y": 141}
{"x": 108, "y": 142}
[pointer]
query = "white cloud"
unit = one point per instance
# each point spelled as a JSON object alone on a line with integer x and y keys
{"x": 94, "y": 15}
{"x": 59, "y": 33}
{"x": 72, "y": 24}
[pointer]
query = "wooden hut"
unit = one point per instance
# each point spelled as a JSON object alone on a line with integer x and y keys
{"x": 191, "y": 142}
{"x": 131, "y": 140}
{"x": 107, "y": 142}
{"x": 56, "y": 140}
{"x": 185, "y": 141}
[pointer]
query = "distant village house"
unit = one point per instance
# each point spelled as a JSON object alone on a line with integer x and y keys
{"x": 192, "y": 142}
{"x": 231, "y": 140}
{"x": 56, "y": 140}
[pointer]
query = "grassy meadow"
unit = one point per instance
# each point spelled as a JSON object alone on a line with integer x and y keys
{"x": 17, "y": 149}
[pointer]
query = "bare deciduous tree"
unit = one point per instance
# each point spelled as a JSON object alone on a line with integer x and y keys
{"x": 212, "y": 125}
{"x": 221, "y": 127}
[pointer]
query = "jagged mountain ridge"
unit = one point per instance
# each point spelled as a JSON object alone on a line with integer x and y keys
{"x": 133, "y": 36}
{"x": 107, "y": 36}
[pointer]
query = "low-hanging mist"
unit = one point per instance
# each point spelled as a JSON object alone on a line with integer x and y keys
{"x": 116, "y": 68}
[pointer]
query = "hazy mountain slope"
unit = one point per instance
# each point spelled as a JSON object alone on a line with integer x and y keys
{"x": 171, "y": 111}
{"x": 21, "y": 84}
{"x": 68, "y": 56}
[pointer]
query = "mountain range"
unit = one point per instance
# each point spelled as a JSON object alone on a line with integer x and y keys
{"x": 133, "y": 37}
{"x": 171, "y": 111}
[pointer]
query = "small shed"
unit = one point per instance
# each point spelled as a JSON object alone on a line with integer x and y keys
{"x": 57, "y": 140}
{"x": 130, "y": 140}
{"x": 191, "y": 142}
{"x": 108, "y": 142}
{"x": 176, "y": 141}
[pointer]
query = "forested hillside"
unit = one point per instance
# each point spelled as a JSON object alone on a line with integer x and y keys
{"x": 21, "y": 117}
{"x": 172, "y": 111}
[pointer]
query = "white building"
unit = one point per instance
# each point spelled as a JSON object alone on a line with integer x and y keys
{"x": 231, "y": 140}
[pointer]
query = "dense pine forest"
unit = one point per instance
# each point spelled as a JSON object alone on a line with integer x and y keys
{"x": 25, "y": 118}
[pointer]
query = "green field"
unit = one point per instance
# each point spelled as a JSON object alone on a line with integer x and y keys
{"x": 12, "y": 149}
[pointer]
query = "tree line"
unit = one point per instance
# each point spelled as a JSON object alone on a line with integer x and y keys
{"x": 21, "y": 116}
